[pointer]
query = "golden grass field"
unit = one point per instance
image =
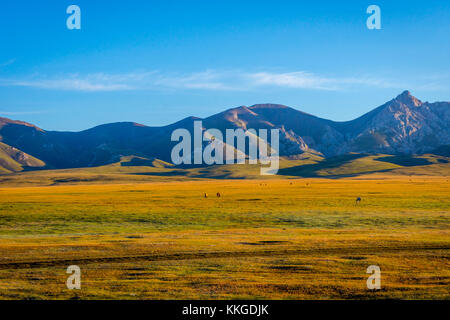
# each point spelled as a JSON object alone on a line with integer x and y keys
{"x": 280, "y": 238}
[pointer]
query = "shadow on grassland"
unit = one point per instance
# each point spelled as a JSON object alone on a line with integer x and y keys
{"x": 312, "y": 170}
{"x": 170, "y": 173}
{"x": 405, "y": 160}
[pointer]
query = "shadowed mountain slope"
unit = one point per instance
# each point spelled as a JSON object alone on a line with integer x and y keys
{"x": 404, "y": 125}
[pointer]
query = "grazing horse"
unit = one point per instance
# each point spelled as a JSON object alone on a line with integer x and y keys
{"x": 218, "y": 194}
{"x": 358, "y": 200}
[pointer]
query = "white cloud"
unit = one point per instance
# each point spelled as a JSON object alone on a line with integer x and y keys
{"x": 71, "y": 84}
{"x": 300, "y": 79}
{"x": 206, "y": 80}
{"x": 306, "y": 80}
{"x": 153, "y": 80}
{"x": 7, "y": 63}
{"x": 19, "y": 113}
{"x": 89, "y": 83}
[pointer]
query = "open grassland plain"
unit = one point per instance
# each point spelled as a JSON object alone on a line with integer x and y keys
{"x": 261, "y": 239}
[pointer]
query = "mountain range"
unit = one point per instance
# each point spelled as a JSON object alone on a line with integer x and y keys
{"x": 403, "y": 125}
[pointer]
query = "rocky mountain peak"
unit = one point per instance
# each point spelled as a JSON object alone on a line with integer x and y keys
{"x": 408, "y": 99}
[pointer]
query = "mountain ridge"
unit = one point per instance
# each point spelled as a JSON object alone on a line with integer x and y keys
{"x": 403, "y": 125}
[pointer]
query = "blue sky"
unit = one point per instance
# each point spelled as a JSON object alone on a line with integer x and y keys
{"x": 156, "y": 62}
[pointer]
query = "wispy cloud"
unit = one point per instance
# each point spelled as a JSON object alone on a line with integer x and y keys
{"x": 7, "y": 63}
{"x": 307, "y": 80}
{"x": 205, "y": 80}
{"x": 71, "y": 84}
{"x": 152, "y": 80}
{"x": 19, "y": 113}
{"x": 90, "y": 83}
{"x": 299, "y": 80}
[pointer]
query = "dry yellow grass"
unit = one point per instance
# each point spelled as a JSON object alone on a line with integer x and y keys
{"x": 276, "y": 239}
